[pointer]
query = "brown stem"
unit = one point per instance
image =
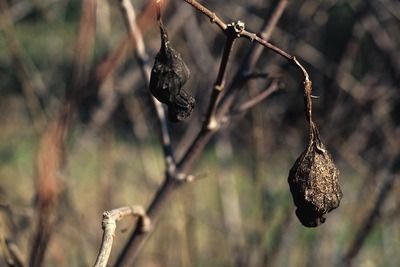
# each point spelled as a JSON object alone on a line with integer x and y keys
{"x": 219, "y": 84}
{"x": 211, "y": 15}
{"x": 128, "y": 13}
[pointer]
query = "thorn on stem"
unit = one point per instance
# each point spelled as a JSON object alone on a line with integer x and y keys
{"x": 213, "y": 16}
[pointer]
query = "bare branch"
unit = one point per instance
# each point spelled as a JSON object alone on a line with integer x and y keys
{"x": 265, "y": 33}
{"x": 251, "y": 58}
{"x": 109, "y": 224}
{"x": 252, "y": 36}
{"x": 211, "y": 15}
{"x": 231, "y": 33}
{"x": 273, "y": 87}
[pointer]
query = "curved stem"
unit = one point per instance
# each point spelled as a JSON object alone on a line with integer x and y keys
{"x": 109, "y": 224}
{"x": 211, "y": 15}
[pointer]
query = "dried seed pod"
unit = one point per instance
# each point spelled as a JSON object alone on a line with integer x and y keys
{"x": 313, "y": 182}
{"x": 168, "y": 76}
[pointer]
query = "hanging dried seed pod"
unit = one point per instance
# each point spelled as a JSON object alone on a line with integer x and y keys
{"x": 313, "y": 179}
{"x": 168, "y": 76}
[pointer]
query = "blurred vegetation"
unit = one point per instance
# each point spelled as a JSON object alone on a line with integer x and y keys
{"x": 240, "y": 213}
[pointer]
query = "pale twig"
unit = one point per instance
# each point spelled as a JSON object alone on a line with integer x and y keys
{"x": 16, "y": 254}
{"x": 10, "y": 253}
{"x": 114, "y": 59}
{"x": 266, "y": 34}
{"x": 137, "y": 39}
{"x": 273, "y": 87}
{"x": 109, "y": 224}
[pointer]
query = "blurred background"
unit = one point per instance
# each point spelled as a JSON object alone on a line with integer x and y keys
{"x": 79, "y": 135}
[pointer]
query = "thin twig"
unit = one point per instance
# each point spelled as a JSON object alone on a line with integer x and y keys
{"x": 30, "y": 78}
{"x": 113, "y": 60}
{"x": 211, "y": 15}
{"x": 204, "y": 135}
{"x": 251, "y": 59}
{"x": 129, "y": 16}
{"x": 10, "y": 253}
{"x": 16, "y": 254}
{"x": 137, "y": 237}
{"x": 211, "y": 122}
{"x": 273, "y": 87}
{"x": 250, "y": 35}
{"x": 255, "y": 75}
{"x": 109, "y": 224}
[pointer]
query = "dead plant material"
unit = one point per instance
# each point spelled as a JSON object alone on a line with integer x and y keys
{"x": 168, "y": 76}
{"x": 313, "y": 179}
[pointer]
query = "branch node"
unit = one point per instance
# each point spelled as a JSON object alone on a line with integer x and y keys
{"x": 108, "y": 221}
{"x": 234, "y": 29}
{"x": 109, "y": 225}
{"x": 219, "y": 87}
{"x": 183, "y": 177}
{"x": 170, "y": 165}
{"x": 213, "y": 124}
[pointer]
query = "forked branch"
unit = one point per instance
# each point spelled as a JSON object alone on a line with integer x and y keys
{"x": 109, "y": 224}
{"x": 250, "y": 35}
{"x": 210, "y": 125}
